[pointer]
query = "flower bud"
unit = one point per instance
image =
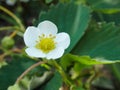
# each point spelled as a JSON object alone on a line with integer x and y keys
{"x": 7, "y": 42}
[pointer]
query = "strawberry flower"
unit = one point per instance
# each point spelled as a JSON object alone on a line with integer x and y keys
{"x": 43, "y": 41}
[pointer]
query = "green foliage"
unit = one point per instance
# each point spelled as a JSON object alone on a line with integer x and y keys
{"x": 54, "y": 84}
{"x": 102, "y": 41}
{"x": 86, "y": 60}
{"x": 13, "y": 70}
{"x": 105, "y": 6}
{"x": 116, "y": 70}
{"x": 15, "y": 87}
{"x": 112, "y": 18}
{"x": 94, "y": 40}
{"x": 79, "y": 63}
{"x": 71, "y": 18}
{"x": 68, "y": 60}
{"x": 2, "y": 63}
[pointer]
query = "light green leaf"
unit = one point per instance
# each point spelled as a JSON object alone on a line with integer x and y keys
{"x": 3, "y": 63}
{"x": 37, "y": 81}
{"x": 77, "y": 70}
{"x": 87, "y": 60}
{"x": 25, "y": 83}
{"x": 14, "y": 87}
{"x": 70, "y": 18}
{"x": 79, "y": 63}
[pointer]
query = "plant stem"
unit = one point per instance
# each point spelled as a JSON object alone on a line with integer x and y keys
{"x": 13, "y": 16}
{"x": 3, "y": 55}
{"x": 60, "y": 70}
{"x": 29, "y": 69}
{"x": 9, "y": 27}
{"x": 94, "y": 74}
{"x": 13, "y": 34}
{"x": 16, "y": 50}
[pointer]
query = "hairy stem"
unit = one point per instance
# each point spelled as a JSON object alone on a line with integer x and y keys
{"x": 9, "y": 28}
{"x": 13, "y": 16}
{"x": 63, "y": 74}
{"x": 13, "y": 34}
{"x": 28, "y": 70}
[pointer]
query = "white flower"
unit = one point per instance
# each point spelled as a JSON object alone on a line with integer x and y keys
{"x": 44, "y": 42}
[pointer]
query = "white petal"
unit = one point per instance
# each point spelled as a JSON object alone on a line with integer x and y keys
{"x": 63, "y": 40}
{"x": 55, "y": 54}
{"x": 47, "y": 27}
{"x": 33, "y": 52}
{"x": 31, "y": 36}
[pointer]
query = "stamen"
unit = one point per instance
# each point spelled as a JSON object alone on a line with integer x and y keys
{"x": 46, "y": 44}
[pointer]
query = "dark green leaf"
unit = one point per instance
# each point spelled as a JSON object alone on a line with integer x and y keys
{"x": 112, "y": 18}
{"x": 15, "y": 68}
{"x": 103, "y": 42}
{"x": 105, "y": 6}
{"x": 70, "y": 18}
{"x": 116, "y": 70}
{"x": 54, "y": 84}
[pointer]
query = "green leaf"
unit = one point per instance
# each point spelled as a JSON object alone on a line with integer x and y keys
{"x": 79, "y": 63}
{"x": 37, "y": 81}
{"x": 25, "y": 83}
{"x": 87, "y": 60}
{"x": 14, "y": 87}
{"x": 3, "y": 63}
{"x": 105, "y": 6}
{"x": 112, "y": 18}
{"x": 54, "y": 84}
{"x": 13, "y": 70}
{"x": 116, "y": 70}
{"x": 70, "y": 18}
{"x": 77, "y": 70}
{"x": 103, "y": 41}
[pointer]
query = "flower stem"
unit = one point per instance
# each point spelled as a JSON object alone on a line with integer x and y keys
{"x": 60, "y": 70}
{"x": 9, "y": 27}
{"x": 13, "y": 16}
{"x": 29, "y": 69}
{"x": 4, "y": 55}
{"x": 94, "y": 74}
{"x": 13, "y": 34}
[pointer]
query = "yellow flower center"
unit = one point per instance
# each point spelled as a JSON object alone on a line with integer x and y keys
{"x": 46, "y": 44}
